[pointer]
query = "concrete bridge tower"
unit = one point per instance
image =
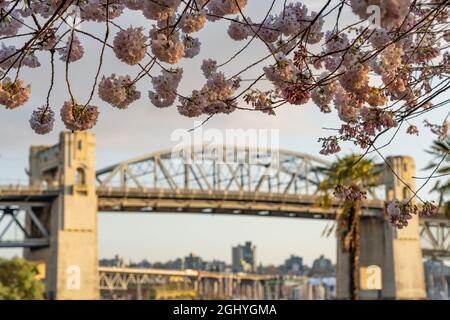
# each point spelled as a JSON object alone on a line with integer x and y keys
{"x": 71, "y": 261}
{"x": 397, "y": 252}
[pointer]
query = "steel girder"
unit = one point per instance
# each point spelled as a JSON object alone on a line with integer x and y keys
{"x": 435, "y": 237}
{"x": 22, "y": 218}
{"x": 233, "y": 170}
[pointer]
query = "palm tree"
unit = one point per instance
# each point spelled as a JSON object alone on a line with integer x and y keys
{"x": 439, "y": 149}
{"x": 357, "y": 175}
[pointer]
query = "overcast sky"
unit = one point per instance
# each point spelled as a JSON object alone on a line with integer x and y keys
{"x": 143, "y": 129}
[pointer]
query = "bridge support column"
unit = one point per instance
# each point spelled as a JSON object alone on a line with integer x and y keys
{"x": 397, "y": 252}
{"x": 71, "y": 258}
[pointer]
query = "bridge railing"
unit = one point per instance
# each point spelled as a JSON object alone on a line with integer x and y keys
{"x": 22, "y": 187}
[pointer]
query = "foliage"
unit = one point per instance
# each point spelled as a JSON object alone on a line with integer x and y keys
{"x": 439, "y": 150}
{"x": 18, "y": 280}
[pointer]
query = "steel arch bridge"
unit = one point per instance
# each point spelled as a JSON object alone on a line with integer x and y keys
{"x": 65, "y": 192}
{"x": 218, "y": 179}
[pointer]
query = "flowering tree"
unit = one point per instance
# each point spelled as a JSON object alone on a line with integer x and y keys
{"x": 388, "y": 67}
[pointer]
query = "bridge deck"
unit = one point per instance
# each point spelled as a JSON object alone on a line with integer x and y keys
{"x": 186, "y": 273}
{"x": 197, "y": 201}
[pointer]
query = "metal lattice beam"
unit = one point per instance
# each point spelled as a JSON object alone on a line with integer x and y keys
{"x": 30, "y": 235}
{"x": 435, "y": 239}
{"x": 235, "y": 170}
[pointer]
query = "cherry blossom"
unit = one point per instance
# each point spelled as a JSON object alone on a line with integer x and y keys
{"x": 399, "y": 212}
{"x": 192, "y": 106}
{"x": 78, "y": 117}
{"x": 95, "y": 10}
{"x": 129, "y": 45}
{"x": 209, "y": 66}
{"x": 167, "y": 48}
{"x": 193, "y": 22}
{"x": 42, "y": 120}
{"x": 13, "y": 94}
{"x": 238, "y": 30}
{"x": 260, "y": 101}
{"x": 165, "y": 87}
{"x": 160, "y": 9}
{"x": 120, "y": 92}
{"x": 191, "y": 46}
{"x": 73, "y": 51}
{"x": 10, "y": 25}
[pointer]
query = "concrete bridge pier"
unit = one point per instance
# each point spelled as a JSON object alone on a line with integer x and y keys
{"x": 397, "y": 252}
{"x": 71, "y": 262}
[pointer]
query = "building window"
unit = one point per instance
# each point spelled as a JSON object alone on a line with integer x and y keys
{"x": 80, "y": 144}
{"x": 80, "y": 177}
{"x": 405, "y": 193}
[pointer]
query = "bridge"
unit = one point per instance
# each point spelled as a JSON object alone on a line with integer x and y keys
{"x": 115, "y": 282}
{"x": 57, "y": 210}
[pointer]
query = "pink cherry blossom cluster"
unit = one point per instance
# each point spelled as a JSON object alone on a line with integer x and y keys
{"x": 330, "y": 145}
{"x": 160, "y": 9}
{"x": 167, "y": 48}
{"x": 191, "y": 46}
{"x": 73, "y": 51}
{"x": 120, "y": 91}
{"x": 350, "y": 193}
{"x": 323, "y": 94}
{"x": 393, "y": 12}
{"x": 42, "y": 120}
{"x": 10, "y": 25}
{"x": 95, "y": 10}
{"x": 220, "y": 8}
{"x": 10, "y": 59}
{"x": 165, "y": 87}
{"x": 13, "y": 94}
{"x": 216, "y": 96}
{"x": 260, "y": 101}
{"x": 130, "y": 45}
{"x": 193, "y": 22}
{"x": 78, "y": 117}
{"x": 290, "y": 22}
{"x": 399, "y": 212}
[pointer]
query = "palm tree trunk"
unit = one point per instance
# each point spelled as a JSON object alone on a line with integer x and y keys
{"x": 354, "y": 249}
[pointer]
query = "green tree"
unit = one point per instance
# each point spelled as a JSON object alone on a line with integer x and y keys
{"x": 350, "y": 178}
{"x": 18, "y": 280}
{"x": 439, "y": 149}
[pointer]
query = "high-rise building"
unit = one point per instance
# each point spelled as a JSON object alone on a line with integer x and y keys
{"x": 293, "y": 265}
{"x": 244, "y": 258}
{"x": 194, "y": 262}
{"x": 215, "y": 266}
{"x": 322, "y": 267}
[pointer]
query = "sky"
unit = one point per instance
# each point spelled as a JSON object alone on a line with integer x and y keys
{"x": 143, "y": 129}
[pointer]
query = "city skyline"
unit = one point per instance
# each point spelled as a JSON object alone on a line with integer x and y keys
{"x": 291, "y": 264}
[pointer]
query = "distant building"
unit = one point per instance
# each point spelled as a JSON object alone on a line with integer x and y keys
{"x": 244, "y": 258}
{"x": 322, "y": 267}
{"x": 437, "y": 280}
{"x": 144, "y": 264}
{"x": 117, "y": 262}
{"x": 194, "y": 262}
{"x": 215, "y": 266}
{"x": 177, "y": 264}
{"x": 293, "y": 265}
